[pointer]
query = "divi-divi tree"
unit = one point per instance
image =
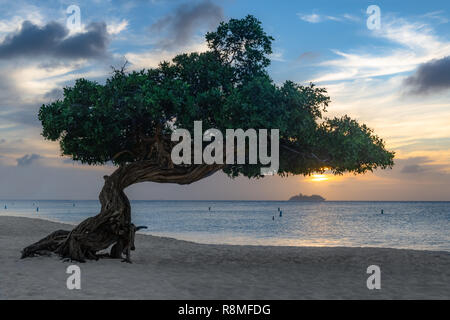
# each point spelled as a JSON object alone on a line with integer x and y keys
{"x": 129, "y": 120}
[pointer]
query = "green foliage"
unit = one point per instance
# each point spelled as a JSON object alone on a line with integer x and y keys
{"x": 242, "y": 44}
{"x": 225, "y": 87}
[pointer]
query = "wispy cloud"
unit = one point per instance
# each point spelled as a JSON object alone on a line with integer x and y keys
{"x": 412, "y": 44}
{"x": 152, "y": 58}
{"x": 436, "y": 15}
{"x": 180, "y": 27}
{"x": 277, "y": 55}
{"x": 311, "y": 18}
{"x": 26, "y": 13}
{"x": 117, "y": 27}
{"x": 316, "y": 18}
{"x": 351, "y": 17}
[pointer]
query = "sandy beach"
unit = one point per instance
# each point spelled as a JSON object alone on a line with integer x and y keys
{"x": 166, "y": 268}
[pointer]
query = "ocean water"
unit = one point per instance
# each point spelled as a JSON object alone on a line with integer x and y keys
{"x": 413, "y": 225}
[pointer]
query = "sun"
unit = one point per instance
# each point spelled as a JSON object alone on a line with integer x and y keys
{"x": 319, "y": 177}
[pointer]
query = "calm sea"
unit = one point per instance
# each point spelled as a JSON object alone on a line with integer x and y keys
{"x": 414, "y": 225}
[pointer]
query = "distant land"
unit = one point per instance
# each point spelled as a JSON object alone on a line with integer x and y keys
{"x": 301, "y": 197}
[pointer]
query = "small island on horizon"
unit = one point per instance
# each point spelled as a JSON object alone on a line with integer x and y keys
{"x": 301, "y": 197}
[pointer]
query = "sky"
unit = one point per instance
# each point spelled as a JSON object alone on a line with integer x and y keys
{"x": 393, "y": 76}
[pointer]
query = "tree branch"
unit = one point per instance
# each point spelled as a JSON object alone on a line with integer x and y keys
{"x": 149, "y": 171}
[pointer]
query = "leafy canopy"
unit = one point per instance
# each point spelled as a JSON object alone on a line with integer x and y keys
{"x": 131, "y": 116}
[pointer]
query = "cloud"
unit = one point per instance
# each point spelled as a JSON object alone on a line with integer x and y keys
{"x": 411, "y": 44}
{"x": 27, "y": 159}
{"x": 277, "y": 55}
{"x": 423, "y": 166}
{"x": 351, "y": 17}
{"x": 151, "y": 59}
{"x": 436, "y": 15}
{"x": 180, "y": 27}
{"x": 24, "y": 115}
{"x": 311, "y": 18}
{"x": 413, "y": 168}
{"x": 316, "y": 18}
{"x": 54, "y": 94}
{"x": 117, "y": 27}
{"x": 430, "y": 77}
{"x": 24, "y": 13}
{"x": 53, "y": 40}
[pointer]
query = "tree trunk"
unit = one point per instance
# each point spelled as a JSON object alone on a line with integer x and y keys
{"x": 112, "y": 226}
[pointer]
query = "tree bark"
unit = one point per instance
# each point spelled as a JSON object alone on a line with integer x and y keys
{"x": 113, "y": 226}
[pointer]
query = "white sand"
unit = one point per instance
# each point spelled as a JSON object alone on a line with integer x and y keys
{"x": 166, "y": 268}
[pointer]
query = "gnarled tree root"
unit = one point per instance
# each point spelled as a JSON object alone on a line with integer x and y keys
{"x": 79, "y": 247}
{"x": 46, "y": 245}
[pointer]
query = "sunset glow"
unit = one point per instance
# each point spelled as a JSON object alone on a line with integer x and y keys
{"x": 319, "y": 177}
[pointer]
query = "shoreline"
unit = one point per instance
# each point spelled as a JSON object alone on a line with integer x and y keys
{"x": 162, "y": 236}
{"x": 174, "y": 237}
{"x": 166, "y": 268}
